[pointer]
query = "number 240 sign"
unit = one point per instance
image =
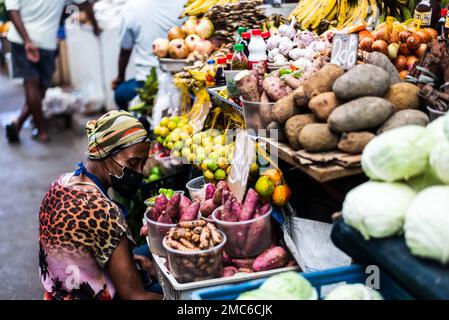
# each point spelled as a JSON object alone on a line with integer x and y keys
{"x": 344, "y": 50}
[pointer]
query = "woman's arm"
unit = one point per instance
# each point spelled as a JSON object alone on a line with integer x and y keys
{"x": 125, "y": 276}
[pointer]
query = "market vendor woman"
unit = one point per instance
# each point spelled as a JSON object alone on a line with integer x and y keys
{"x": 85, "y": 243}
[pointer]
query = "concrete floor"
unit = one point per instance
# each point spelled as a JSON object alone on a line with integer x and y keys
{"x": 26, "y": 171}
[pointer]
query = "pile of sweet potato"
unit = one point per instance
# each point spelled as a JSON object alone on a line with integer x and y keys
{"x": 178, "y": 209}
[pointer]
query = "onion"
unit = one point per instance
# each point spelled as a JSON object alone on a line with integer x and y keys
{"x": 175, "y": 33}
{"x": 403, "y": 74}
{"x": 403, "y": 35}
{"x": 400, "y": 63}
{"x": 204, "y": 46}
{"x": 393, "y": 49}
{"x": 423, "y": 36}
{"x": 394, "y": 37}
{"x": 411, "y": 60}
{"x": 204, "y": 28}
{"x": 160, "y": 47}
{"x": 363, "y": 34}
{"x": 421, "y": 50}
{"x": 413, "y": 42}
{"x": 433, "y": 33}
{"x": 367, "y": 44}
{"x": 381, "y": 34}
{"x": 403, "y": 49}
{"x": 189, "y": 26}
{"x": 412, "y": 30}
{"x": 381, "y": 46}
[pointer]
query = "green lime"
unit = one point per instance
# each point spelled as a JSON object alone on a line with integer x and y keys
{"x": 212, "y": 164}
{"x": 209, "y": 175}
{"x": 177, "y": 145}
{"x": 170, "y": 145}
{"x": 164, "y": 121}
{"x": 156, "y": 170}
{"x": 160, "y": 140}
{"x": 175, "y": 119}
{"x": 163, "y": 131}
{"x": 153, "y": 177}
{"x": 264, "y": 187}
{"x": 220, "y": 174}
{"x": 172, "y": 125}
{"x": 223, "y": 163}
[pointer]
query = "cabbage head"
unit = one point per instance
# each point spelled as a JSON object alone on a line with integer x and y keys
{"x": 377, "y": 209}
{"x": 446, "y": 125}
{"x": 427, "y": 179}
{"x": 356, "y": 291}
{"x": 284, "y": 286}
{"x": 439, "y": 161}
{"x": 437, "y": 128}
{"x": 427, "y": 224}
{"x": 398, "y": 154}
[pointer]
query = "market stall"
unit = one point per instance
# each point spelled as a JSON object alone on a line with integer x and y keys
{"x": 282, "y": 122}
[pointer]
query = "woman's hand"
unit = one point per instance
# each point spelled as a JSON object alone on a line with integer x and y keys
{"x": 145, "y": 264}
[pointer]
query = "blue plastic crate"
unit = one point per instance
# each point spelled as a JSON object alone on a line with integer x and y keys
{"x": 389, "y": 289}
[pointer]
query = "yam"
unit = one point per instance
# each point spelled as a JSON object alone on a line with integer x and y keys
{"x": 360, "y": 114}
{"x": 247, "y": 83}
{"x": 404, "y": 118}
{"x": 323, "y": 104}
{"x": 270, "y": 259}
{"x": 403, "y": 95}
{"x": 293, "y": 127}
{"x": 361, "y": 81}
{"x": 355, "y": 142}
{"x": 380, "y": 60}
{"x": 275, "y": 88}
{"x": 317, "y": 137}
{"x": 322, "y": 81}
{"x": 284, "y": 109}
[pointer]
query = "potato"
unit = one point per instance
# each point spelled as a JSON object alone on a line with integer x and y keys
{"x": 361, "y": 81}
{"x": 403, "y": 118}
{"x": 323, "y": 104}
{"x": 322, "y": 81}
{"x": 280, "y": 131}
{"x": 293, "y": 127}
{"x": 360, "y": 114}
{"x": 355, "y": 142}
{"x": 300, "y": 97}
{"x": 284, "y": 109}
{"x": 317, "y": 137}
{"x": 380, "y": 60}
{"x": 403, "y": 95}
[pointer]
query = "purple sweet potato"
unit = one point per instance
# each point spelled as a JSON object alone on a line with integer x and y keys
{"x": 210, "y": 190}
{"x": 165, "y": 218}
{"x": 153, "y": 214}
{"x": 248, "y": 85}
{"x": 227, "y": 260}
{"x": 275, "y": 88}
{"x": 207, "y": 207}
{"x": 249, "y": 207}
{"x": 144, "y": 230}
{"x": 173, "y": 206}
{"x": 161, "y": 203}
{"x": 237, "y": 208}
{"x": 184, "y": 204}
{"x": 223, "y": 184}
{"x": 225, "y": 196}
{"x": 227, "y": 214}
{"x": 244, "y": 263}
{"x": 191, "y": 213}
{"x": 264, "y": 209}
{"x": 273, "y": 258}
{"x": 218, "y": 196}
{"x": 255, "y": 232}
{"x": 229, "y": 271}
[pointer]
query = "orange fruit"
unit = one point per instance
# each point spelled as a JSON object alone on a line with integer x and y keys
{"x": 275, "y": 175}
{"x": 281, "y": 195}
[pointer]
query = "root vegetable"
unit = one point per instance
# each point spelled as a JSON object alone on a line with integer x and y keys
{"x": 197, "y": 230}
{"x": 178, "y": 246}
{"x": 176, "y": 234}
{"x": 215, "y": 235}
{"x": 362, "y": 80}
{"x": 272, "y": 258}
{"x": 218, "y": 196}
{"x": 404, "y": 118}
{"x": 247, "y": 84}
{"x": 355, "y": 142}
{"x": 144, "y": 231}
{"x": 192, "y": 224}
{"x": 191, "y": 213}
{"x": 293, "y": 127}
{"x": 228, "y": 214}
{"x": 403, "y": 95}
{"x": 322, "y": 81}
{"x": 237, "y": 209}
{"x": 173, "y": 206}
{"x": 249, "y": 207}
{"x": 300, "y": 98}
{"x": 227, "y": 260}
{"x": 207, "y": 207}
{"x": 165, "y": 218}
{"x": 265, "y": 110}
{"x": 293, "y": 82}
{"x": 317, "y": 137}
{"x": 161, "y": 203}
{"x": 210, "y": 190}
{"x": 229, "y": 271}
{"x": 285, "y": 108}
{"x": 274, "y": 88}
{"x": 246, "y": 270}
{"x": 196, "y": 238}
{"x": 204, "y": 238}
{"x": 225, "y": 196}
{"x": 323, "y": 104}
{"x": 244, "y": 263}
{"x": 153, "y": 214}
{"x": 184, "y": 205}
{"x": 360, "y": 114}
{"x": 187, "y": 244}
{"x": 264, "y": 209}
{"x": 277, "y": 127}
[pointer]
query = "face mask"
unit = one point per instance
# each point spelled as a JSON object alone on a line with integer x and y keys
{"x": 128, "y": 184}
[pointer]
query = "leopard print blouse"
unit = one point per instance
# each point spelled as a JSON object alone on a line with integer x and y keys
{"x": 79, "y": 229}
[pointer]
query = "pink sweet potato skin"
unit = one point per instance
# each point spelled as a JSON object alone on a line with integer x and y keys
{"x": 165, "y": 218}
{"x": 228, "y": 214}
{"x": 255, "y": 233}
{"x": 275, "y": 88}
{"x": 153, "y": 214}
{"x": 225, "y": 196}
{"x": 244, "y": 263}
{"x": 229, "y": 271}
{"x": 161, "y": 203}
{"x": 223, "y": 184}
{"x": 184, "y": 204}
{"x": 273, "y": 258}
{"x": 173, "y": 206}
{"x": 210, "y": 190}
{"x": 144, "y": 230}
{"x": 249, "y": 207}
{"x": 207, "y": 207}
{"x": 237, "y": 208}
{"x": 249, "y": 87}
{"x": 218, "y": 196}
{"x": 264, "y": 209}
{"x": 191, "y": 213}
{"x": 227, "y": 260}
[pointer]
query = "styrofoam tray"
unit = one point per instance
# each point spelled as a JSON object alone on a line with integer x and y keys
{"x": 172, "y": 65}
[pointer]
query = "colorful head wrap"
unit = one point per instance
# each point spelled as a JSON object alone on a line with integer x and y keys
{"x": 113, "y": 131}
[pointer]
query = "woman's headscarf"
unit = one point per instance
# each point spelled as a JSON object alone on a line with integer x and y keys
{"x": 113, "y": 131}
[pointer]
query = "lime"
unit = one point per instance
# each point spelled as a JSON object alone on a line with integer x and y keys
{"x": 200, "y": 158}
{"x": 153, "y": 177}
{"x": 170, "y": 145}
{"x": 164, "y": 122}
{"x": 175, "y": 119}
{"x": 204, "y": 165}
{"x": 223, "y": 163}
{"x": 220, "y": 174}
{"x": 212, "y": 164}
{"x": 209, "y": 175}
{"x": 177, "y": 145}
{"x": 264, "y": 187}
{"x": 160, "y": 140}
{"x": 156, "y": 170}
{"x": 157, "y": 130}
{"x": 172, "y": 125}
{"x": 214, "y": 155}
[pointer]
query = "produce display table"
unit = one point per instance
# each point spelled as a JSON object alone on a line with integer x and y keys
{"x": 424, "y": 279}
{"x": 321, "y": 173}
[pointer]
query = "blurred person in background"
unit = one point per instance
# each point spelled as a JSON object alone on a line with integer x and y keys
{"x": 143, "y": 22}
{"x": 33, "y": 37}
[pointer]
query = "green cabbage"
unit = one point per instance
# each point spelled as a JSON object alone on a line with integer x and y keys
{"x": 283, "y": 286}
{"x": 439, "y": 161}
{"x": 377, "y": 209}
{"x": 437, "y": 128}
{"x": 356, "y": 291}
{"x": 427, "y": 224}
{"x": 446, "y": 125}
{"x": 424, "y": 180}
{"x": 398, "y": 154}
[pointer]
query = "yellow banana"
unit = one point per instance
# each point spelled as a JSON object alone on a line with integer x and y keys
{"x": 324, "y": 11}
{"x": 342, "y": 12}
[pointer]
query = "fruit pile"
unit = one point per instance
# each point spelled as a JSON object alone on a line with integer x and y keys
{"x": 272, "y": 187}
{"x": 403, "y": 44}
{"x": 171, "y": 132}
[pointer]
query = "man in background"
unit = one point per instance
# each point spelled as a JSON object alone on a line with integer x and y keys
{"x": 143, "y": 22}
{"x": 33, "y": 38}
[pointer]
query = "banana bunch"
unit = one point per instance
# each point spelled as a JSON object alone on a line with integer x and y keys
{"x": 199, "y": 7}
{"x": 320, "y": 15}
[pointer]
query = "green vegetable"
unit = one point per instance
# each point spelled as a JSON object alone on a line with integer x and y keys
{"x": 427, "y": 224}
{"x": 377, "y": 209}
{"x": 153, "y": 177}
{"x": 167, "y": 192}
{"x": 148, "y": 93}
{"x": 425, "y": 180}
{"x": 156, "y": 170}
{"x": 356, "y": 291}
{"x": 439, "y": 161}
{"x": 398, "y": 154}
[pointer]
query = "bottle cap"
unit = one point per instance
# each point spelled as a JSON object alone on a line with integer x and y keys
{"x": 221, "y": 60}
{"x": 246, "y": 35}
{"x": 210, "y": 62}
{"x": 238, "y": 47}
{"x": 444, "y": 12}
{"x": 229, "y": 55}
{"x": 241, "y": 30}
{"x": 256, "y": 32}
{"x": 266, "y": 35}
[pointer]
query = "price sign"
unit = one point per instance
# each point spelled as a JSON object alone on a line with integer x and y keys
{"x": 244, "y": 155}
{"x": 344, "y": 50}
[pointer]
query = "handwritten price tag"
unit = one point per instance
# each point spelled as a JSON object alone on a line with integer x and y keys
{"x": 344, "y": 50}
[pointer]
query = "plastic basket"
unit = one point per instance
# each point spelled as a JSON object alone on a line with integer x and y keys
{"x": 323, "y": 281}
{"x": 220, "y": 102}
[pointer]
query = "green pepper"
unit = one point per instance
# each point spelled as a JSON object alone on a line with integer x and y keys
{"x": 285, "y": 71}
